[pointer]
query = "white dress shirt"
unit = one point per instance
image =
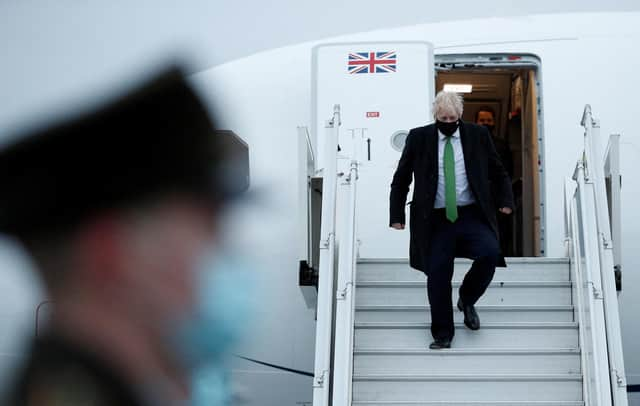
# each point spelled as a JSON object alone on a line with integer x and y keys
{"x": 464, "y": 196}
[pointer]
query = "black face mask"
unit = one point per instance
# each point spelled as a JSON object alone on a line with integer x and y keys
{"x": 447, "y": 129}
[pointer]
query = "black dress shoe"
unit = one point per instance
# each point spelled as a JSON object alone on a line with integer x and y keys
{"x": 471, "y": 318}
{"x": 440, "y": 344}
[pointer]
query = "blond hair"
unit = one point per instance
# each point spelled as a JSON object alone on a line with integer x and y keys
{"x": 448, "y": 101}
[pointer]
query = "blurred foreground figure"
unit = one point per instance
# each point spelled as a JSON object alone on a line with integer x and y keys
{"x": 121, "y": 210}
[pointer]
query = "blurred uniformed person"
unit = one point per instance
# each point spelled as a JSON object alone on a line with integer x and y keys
{"x": 120, "y": 210}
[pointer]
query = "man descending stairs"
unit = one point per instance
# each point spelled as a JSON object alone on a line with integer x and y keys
{"x": 526, "y": 352}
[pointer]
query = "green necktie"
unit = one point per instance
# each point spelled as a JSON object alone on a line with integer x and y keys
{"x": 450, "y": 182}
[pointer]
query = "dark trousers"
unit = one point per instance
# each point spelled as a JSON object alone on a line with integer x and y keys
{"x": 505, "y": 228}
{"x": 470, "y": 236}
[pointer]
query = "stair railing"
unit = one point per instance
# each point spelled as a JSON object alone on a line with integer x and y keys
{"x": 334, "y": 342}
{"x": 326, "y": 272}
{"x": 590, "y": 248}
{"x": 587, "y": 287}
{"x": 613, "y": 182}
{"x": 345, "y": 297}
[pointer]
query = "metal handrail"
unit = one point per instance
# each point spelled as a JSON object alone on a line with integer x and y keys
{"x": 574, "y": 252}
{"x": 592, "y": 313}
{"x": 345, "y": 299}
{"x": 607, "y": 271}
{"x": 591, "y": 253}
{"x": 304, "y": 131}
{"x": 326, "y": 273}
{"x": 307, "y": 171}
{"x": 612, "y": 172}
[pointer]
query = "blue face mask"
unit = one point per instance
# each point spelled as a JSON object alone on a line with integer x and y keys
{"x": 211, "y": 386}
{"x": 223, "y": 305}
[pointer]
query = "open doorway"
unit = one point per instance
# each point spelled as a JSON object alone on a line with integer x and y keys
{"x": 507, "y": 87}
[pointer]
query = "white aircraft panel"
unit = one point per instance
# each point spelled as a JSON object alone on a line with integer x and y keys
{"x": 382, "y": 88}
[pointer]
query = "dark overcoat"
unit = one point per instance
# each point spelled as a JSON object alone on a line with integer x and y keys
{"x": 420, "y": 159}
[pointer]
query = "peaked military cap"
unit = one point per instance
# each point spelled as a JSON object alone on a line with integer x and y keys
{"x": 157, "y": 139}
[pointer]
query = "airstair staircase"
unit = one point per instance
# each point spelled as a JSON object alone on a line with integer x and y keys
{"x": 550, "y": 329}
{"x": 527, "y": 351}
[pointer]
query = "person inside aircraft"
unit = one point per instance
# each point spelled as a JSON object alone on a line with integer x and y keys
{"x": 121, "y": 210}
{"x": 486, "y": 116}
{"x": 451, "y": 213}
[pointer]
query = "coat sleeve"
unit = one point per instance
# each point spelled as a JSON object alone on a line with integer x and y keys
{"x": 498, "y": 175}
{"x": 400, "y": 183}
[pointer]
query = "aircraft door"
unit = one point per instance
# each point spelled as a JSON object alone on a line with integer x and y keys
{"x": 384, "y": 89}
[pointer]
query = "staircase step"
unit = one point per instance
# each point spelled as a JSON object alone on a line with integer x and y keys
{"x": 417, "y": 314}
{"x": 525, "y": 354}
{"x": 490, "y": 336}
{"x": 466, "y": 361}
{"x": 498, "y": 293}
{"x": 539, "y": 269}
{"x": 488, "y": 388}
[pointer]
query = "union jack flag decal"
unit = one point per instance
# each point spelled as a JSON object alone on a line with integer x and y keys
{"x": 372, "y": 62}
